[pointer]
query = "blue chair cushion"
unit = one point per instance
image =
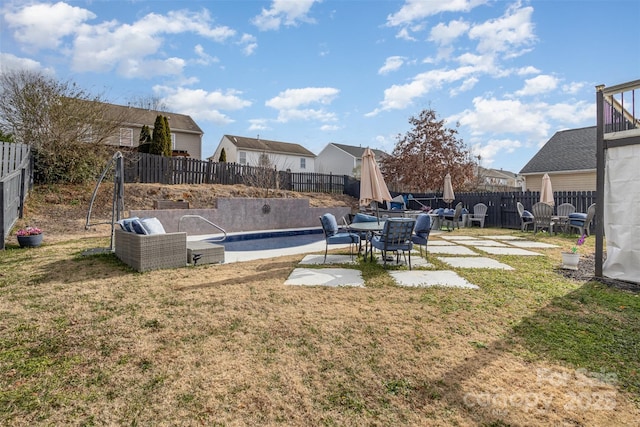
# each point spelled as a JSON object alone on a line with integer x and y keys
{"x": 378, "y": 243}
{"x": 360, "y": 217}
{"x": 464, "y": 211}
{"x": 578, "y": 215}
{"x": 527, "y": 215}
{"x": 396, "y": 205}
{"x": 329, "y": 224}
{"x": 343, "y": 238}
{"x": 419, "y": 239}
{"x": 423, "y": 225}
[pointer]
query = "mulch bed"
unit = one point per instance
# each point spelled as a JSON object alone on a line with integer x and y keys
{"x": 586, "y": 272}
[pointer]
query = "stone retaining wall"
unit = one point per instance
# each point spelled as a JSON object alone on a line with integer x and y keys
{"x": 244, "y": 214}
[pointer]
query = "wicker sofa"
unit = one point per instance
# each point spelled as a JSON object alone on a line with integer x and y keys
{"x": 151, "y": 252}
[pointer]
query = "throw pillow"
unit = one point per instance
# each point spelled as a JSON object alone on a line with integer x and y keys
{"x": 152, "y": 226}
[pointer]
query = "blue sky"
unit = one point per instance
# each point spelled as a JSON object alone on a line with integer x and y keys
{"x": 351, "y": 72}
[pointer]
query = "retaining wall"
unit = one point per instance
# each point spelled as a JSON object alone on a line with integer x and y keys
{"x": 244, "y": 214}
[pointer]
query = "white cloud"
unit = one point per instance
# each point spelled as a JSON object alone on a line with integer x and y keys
{"x": 202, "y": 105}
{"x": 259, "y": 124}
{"x": 203, "y": 57}
{"x": 444, "y": 34}
{"x": 284, "y": 12}
{"x": 573, "y": 87}
{"x": 539, "y": 84}
{"x": 401, "y": 96}
{"x": 404, "y": 35}
{"x": 415, "y": 10}
{"x": 466, "y": 85}
{"x": 392, "y": 63}
{"x": 290, "y": 102}
{"x": 494, "y": 146}
{"x": 507, "y": 34}
{"x": 249, "y": 44}
{"x": 329, "y": 128}
{"x": 496, "y": 116}
{"x": 527, "y": 70}
{"x": 44, "y": 25}
{"x": 10, "y": 62}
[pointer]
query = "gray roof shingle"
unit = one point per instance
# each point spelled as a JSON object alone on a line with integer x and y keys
{"x": 567, "y": 150}
{"x": 264, "y": 145}
{"x": 357, "y": 151}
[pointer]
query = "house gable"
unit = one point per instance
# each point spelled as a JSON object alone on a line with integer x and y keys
{"x": 186, "y": 134}
{"x": 250, "y": 151}
{"x": 341, "y": 159}
{"x": 569, "y": 158}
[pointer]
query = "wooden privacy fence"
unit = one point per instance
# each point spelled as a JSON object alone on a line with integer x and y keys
{"x": 150, "y": 168}
{"x": 502, "y": 210}
{"x": 15, "y": 182}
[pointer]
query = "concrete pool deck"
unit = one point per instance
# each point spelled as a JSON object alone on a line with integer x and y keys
{"x": 457, "y": 251}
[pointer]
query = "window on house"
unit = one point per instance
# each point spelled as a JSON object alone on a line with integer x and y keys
{"x": 126, "y": 137}
{"x": 264, "y": 161}
{"x": 173, "y": 141}
{"x": 303, "y": 163}
{"x": 242, "y": 157}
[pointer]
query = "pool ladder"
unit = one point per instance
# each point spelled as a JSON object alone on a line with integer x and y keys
{"x": 214, "y": 239}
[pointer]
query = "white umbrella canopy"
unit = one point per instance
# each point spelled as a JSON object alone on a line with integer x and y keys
{"x": 372, "y": 185}
{"x": 447, "y": 193}
{"x": 546, "y": 191}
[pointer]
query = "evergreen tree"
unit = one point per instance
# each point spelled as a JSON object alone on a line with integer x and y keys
{"x": 223, "y": 156}
{"x": 144, "y": 142}
{"x": 158, "y": 138}
{"x": 168, "y": 149}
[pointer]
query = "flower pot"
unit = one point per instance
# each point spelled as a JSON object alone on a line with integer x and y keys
{"x": 30, "y": 241}
{"x": 570, "y": 260}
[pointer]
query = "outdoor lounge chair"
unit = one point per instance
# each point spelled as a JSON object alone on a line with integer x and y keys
{"x": 526, "y": 217}
{"x": 581, "y": 221}
{"x": 333, "y": 236}
{"x": 453, "y": 220}
{"x": 421, "y": 232}
{"x": 150, "y": 252}
{"x": 542, "y": 214}
{"x": 395, "y": 237}
{"x": 479, "y": 213}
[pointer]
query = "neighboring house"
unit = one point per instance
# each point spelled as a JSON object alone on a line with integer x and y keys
{"x": 340, "y": 159}
{"x": 262, "y": 152}
{"x": 498, "y": 180}
{"x": 569, "y": 158}
{"x": 186, "y": 135}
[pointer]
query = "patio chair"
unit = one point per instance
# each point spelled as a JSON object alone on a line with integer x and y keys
{"x": 542, "y": 214}
{"x": 526, "y": 217}
{"x": 453, "y": 220}
{"x": 395, "y": 237}
{"x": 333, "y": 236}
{"x": 421, "y": 232}
{"x": 563, "y": 211}
{"x": 479, "y": 214}
{"x": 582, "y": 221}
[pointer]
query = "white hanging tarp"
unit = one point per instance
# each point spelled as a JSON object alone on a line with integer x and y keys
{"x": 622, "y": 213}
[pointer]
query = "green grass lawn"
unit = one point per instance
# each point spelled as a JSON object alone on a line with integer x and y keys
{"x": 84, "y": 340}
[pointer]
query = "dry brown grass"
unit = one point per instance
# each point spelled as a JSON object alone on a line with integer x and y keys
{"x": 96, "y": 343}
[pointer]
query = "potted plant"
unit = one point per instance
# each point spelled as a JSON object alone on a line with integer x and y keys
{"x": 571, "y": 259}
{"x": 30, "y": 237}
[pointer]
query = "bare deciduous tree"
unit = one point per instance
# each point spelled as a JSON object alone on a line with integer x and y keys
{"x": 66, "y": 126}
{"x": 425, "y": 154}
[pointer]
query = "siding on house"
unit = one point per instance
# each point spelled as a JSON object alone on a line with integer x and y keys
{"x": 187, "y": 134}
{"x": 565, "y": 181}
{"x": 251, "y": 151}
{"x": 341, "y": 159}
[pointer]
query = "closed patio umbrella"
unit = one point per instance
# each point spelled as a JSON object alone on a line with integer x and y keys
{"x": 372, "y": 185}
{"x": 447, "y": 194}
{"x": 546, "y": 191}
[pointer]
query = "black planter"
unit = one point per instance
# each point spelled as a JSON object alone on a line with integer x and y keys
{"x": 30, "y": 241}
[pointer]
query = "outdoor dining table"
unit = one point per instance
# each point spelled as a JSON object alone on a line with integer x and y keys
{"x": 369, "y": 228}
{"x": 561, "y": 221}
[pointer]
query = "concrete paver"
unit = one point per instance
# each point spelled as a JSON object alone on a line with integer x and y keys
{"x": 482, "y": 243}
{"x": 530, "y": 244}
{"x": 450, "y": 250}
{"x": 331, "y": 259}
{"x": 508, "y": 251}
{"x": 427, "y": 278}
{"x": 332, "y": 277}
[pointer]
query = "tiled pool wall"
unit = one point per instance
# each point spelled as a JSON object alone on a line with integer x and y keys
{"x": 245, "y": 214}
